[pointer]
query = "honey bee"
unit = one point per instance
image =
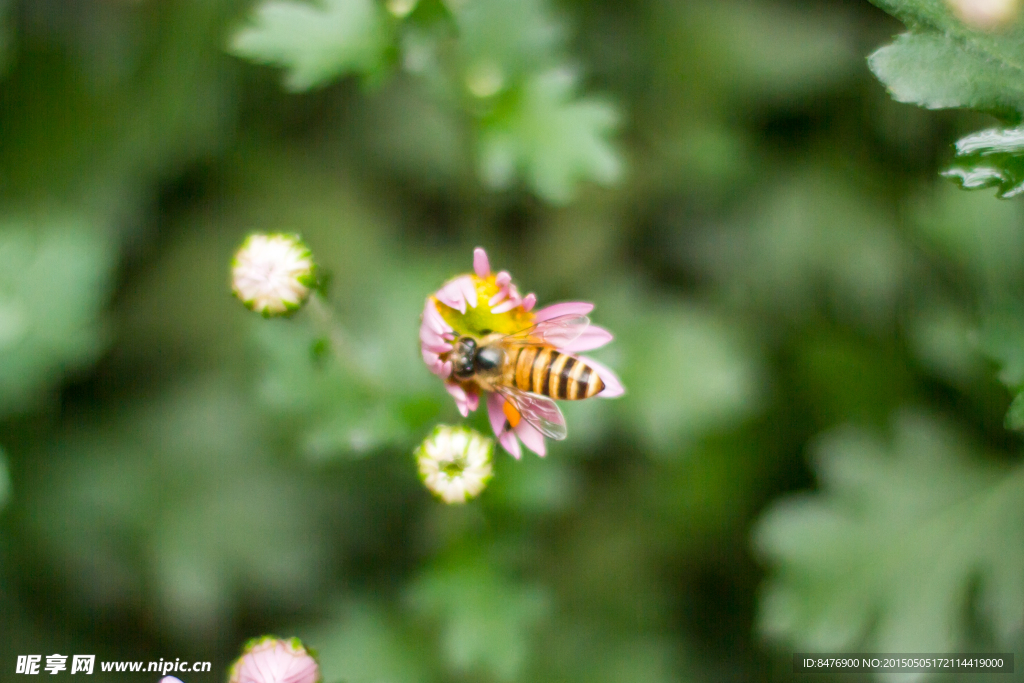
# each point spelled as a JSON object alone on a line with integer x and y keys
{"x": 527, "y": 370}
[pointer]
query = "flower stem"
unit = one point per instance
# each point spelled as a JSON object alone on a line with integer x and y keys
{"x": 324, "y": 322}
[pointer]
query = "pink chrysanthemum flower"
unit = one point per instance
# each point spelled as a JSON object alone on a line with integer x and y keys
{"x": 480, "y": 304}
{"x": 273, "y": 660}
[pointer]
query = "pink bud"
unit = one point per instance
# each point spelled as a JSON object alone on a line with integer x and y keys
{"x": 272, "y": 660}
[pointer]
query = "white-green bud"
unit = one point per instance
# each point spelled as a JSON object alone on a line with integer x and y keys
{"x": 455, "y": 463}
{"x": 273, "y": 274}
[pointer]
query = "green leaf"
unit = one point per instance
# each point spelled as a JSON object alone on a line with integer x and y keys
{"x": 676, "y": 397}
{"x": 1015, "y": 413}
{"x": 178, "y": 504}
{"x": 991, "y": 158}
{"x": 943, "y": 63}
{"x": 552, "y": 138}
{"x": 886, "y": 556}
{"x": 1002, "y": 339}
{"x": 506, "y": 37}
{"x": 487, "y": 619}
{"x": 941, "y": 336}
{"x": 365, "y": 644}
{"x": 939, "y": 72}
{"x": 811, "y": 236}
{"x": 343, "y": 402}
{"x": 1001, "y": 50}
{"x": 981, "y": 237}
{"x": 54, "y": 279}
{"x": 316, "y": 43}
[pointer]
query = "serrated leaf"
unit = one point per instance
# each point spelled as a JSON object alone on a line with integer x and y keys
{"x": 678, "y": 397}
{"x": 991, "y": 158}
{"x": 54, "y": 278}
{"x": 552, "y": 138}
{"x": 941, "y": 337}
{"x": 813, "y": 234}
{"x": 938, "y": 72}
{"x": 365, "y": 644}
{"x": 1015, "y": 413}
{"x": 176, "y": 502}
{"x": 486, "y": 618}
{"x": 937, "y": 17}
{"x": 343, "y": 402}
{"x": 316, "y": 43}
{"x": 944, "y": 63}
{"x": 980, "y": 236}
{"x": 510, "y": 35}
{"x": 1002, "y": 339}
{"x": 884, "y": 558}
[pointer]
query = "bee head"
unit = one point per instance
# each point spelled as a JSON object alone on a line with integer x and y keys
{"x": 463, "y": 358}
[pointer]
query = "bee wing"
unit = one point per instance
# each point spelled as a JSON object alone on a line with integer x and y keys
{"x": 557, "y": 331}
{"x": 540, "y": 411}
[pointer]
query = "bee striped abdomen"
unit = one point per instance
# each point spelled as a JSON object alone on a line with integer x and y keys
{"x": 549, "y": 372}
{"x": 541, "y": 370}
{"x": 523, "y": 377}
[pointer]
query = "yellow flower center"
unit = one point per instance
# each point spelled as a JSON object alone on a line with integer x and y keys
{"x": 479, "y": 321}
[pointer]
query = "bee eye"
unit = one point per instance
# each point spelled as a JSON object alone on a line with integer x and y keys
{"x": 464, "y": 368}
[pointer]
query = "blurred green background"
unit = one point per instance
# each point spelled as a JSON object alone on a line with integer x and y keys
{"x": 811, "y": 454}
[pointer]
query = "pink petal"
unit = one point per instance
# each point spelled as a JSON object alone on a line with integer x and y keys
{"x": 472, "y": 400}
{"x": 503, "y": 279}
{"x": 459, "y": 394}
{"x": 481, "y": 265}
{"x": 468, "y": 290}
{"x": 529, "y": 301}
{"x": 431, "y": 324}
{"x": 429, "y": 357}
{"x": 513, "y": 295}
{"x": 498, "y": 298}
{"x": 452, "y": 295}
{"x": 612, "y": 385}
{"x": 506, "y": 306}
{"x": 530, "y": 437}
{"x": 510, "y": 443}
{"x": 433, "y": 339}
{"x": 495, "y": 403}
{"x": 433, "y": 318}
{"x": 593, "y": 337}
{"x": 437, "y": 348}
{"x": 441, "y": 369}
{"x": 569, "y": 308}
